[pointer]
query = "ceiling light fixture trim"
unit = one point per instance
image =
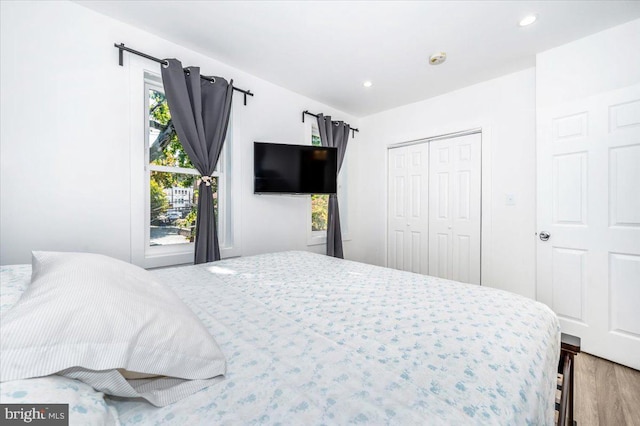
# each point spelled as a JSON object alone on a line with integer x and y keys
{"x": 528, "y": 20}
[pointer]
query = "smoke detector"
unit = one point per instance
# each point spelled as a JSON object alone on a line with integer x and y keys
{"x": 437, "y": 58}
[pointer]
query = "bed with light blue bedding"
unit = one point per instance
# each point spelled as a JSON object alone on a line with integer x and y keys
{"x": 311, "y": 339}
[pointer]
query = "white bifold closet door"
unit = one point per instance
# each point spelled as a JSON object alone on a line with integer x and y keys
{"x": 408, "y": 247}
{"x": 434, "y": 208}
{"x": 454, "y": 208}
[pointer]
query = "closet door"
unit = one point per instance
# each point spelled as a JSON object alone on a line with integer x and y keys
{"x": 454, "y": 208}
{"x": 408, "y": 225}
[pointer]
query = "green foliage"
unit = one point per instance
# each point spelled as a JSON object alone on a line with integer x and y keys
{"x": 167, "y": 150}
{"x": 159, "y": 201}
{"x": 319, "y": 202}
{"x": 189, "y": 221}
{"x": 319, "y": 212}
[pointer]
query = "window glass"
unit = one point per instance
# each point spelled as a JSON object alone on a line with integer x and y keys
{"x": 319, "y": 202}
{"x": 164, "y": 147}
{"x": 173, "y": 181}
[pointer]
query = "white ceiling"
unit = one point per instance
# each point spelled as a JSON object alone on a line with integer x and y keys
{"x": 326, "y": 50}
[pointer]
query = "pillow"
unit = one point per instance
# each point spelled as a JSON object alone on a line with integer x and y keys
{"x": 134, "y": 375}
{"x": 84, "y": 316}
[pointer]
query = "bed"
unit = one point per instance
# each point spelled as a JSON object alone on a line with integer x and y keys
{"x": 311, "y": 339}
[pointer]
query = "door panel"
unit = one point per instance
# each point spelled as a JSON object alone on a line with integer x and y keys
{"x": 463, "y": 206}
{"x": 399, "y": 249}
{"x": 625, "y": 293}
{"x": 569, "y": 267}
{"x": 397, "y": 217}
{"x": 441, "y": 258}
{"x": 454, "y": 202}
{"x": 589, "y": 201}
{"x": 462, "y": 265}
{"x": 408, "y": 223}
{"x": 417, "y": 241}
{"x": 570, "y": 188}
{"x": 400, "y": 197}
{"x": 442, "y": 195}
{"x": 624, "y": 202}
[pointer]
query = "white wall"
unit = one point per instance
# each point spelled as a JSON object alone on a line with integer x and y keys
{"x": 65, "y": 139}
{"x": 504, "y": 108}
{"x": 595, "y": 64}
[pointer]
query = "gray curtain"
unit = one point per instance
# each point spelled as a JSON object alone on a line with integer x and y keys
{"x": 200, "y": 112}
{"x": 334, "y": 134}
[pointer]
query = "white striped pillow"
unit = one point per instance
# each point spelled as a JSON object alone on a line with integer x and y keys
{"x": 85, "y": 316}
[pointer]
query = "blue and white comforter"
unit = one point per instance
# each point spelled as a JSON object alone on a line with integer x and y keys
{"x": 311, "y": 339}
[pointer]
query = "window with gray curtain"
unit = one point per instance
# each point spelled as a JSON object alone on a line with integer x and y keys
{"x": 171, "y": 183}
{"x": 334, "y": 134}
{"x": 200, "y": 111}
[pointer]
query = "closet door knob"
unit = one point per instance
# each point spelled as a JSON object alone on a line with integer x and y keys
{"x": 544, "y": 235}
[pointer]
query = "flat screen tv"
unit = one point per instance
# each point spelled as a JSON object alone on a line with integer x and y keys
{"x": 294, "y": 169}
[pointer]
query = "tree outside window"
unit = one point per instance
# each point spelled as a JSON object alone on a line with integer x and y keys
{"x": 172, "y": 179}
{"x": 319, "y": 202}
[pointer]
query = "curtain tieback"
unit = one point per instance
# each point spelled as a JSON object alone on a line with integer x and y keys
{"x": 208, "y": 180}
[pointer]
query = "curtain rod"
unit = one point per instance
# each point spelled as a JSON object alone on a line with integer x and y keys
{"x": 121, "y": 48}
{"x": 353, "y": 129}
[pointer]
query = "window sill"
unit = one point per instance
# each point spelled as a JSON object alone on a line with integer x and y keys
{"x": 316, "y": 240}
{"x": 161, "y": 260}
{"x": 180, "y": 255}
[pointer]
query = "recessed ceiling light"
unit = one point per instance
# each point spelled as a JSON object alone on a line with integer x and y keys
{"x": 367, "y": 84}
{"x": 437, "y": 58}
{"x": 528, "y": 20}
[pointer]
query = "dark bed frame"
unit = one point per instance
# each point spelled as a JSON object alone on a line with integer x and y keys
{"x": 570, "y": 347}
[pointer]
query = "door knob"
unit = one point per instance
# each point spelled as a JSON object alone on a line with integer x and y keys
{"x": 544, "y": 235}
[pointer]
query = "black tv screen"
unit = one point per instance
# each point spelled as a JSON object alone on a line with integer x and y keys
{"x": 294, "y": 169}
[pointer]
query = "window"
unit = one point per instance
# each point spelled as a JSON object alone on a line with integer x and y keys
{"x": 172, "y": 187}
{"x": 319, "y": 202}
{"x": 318, "y": 211}
{"x": 172, "y": 215}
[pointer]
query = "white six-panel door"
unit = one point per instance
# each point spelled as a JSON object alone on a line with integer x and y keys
{"x": 589, "y": 204}
{"x": 408, "y": 239}
{"x": 454, "y": 208}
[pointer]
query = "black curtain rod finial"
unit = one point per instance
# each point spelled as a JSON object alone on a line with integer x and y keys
{"x": 122, "y": 48}
{"x": 306, "y": 112}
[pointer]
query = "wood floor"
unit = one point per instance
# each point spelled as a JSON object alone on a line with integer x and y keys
{"x": 606, "y": 393}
